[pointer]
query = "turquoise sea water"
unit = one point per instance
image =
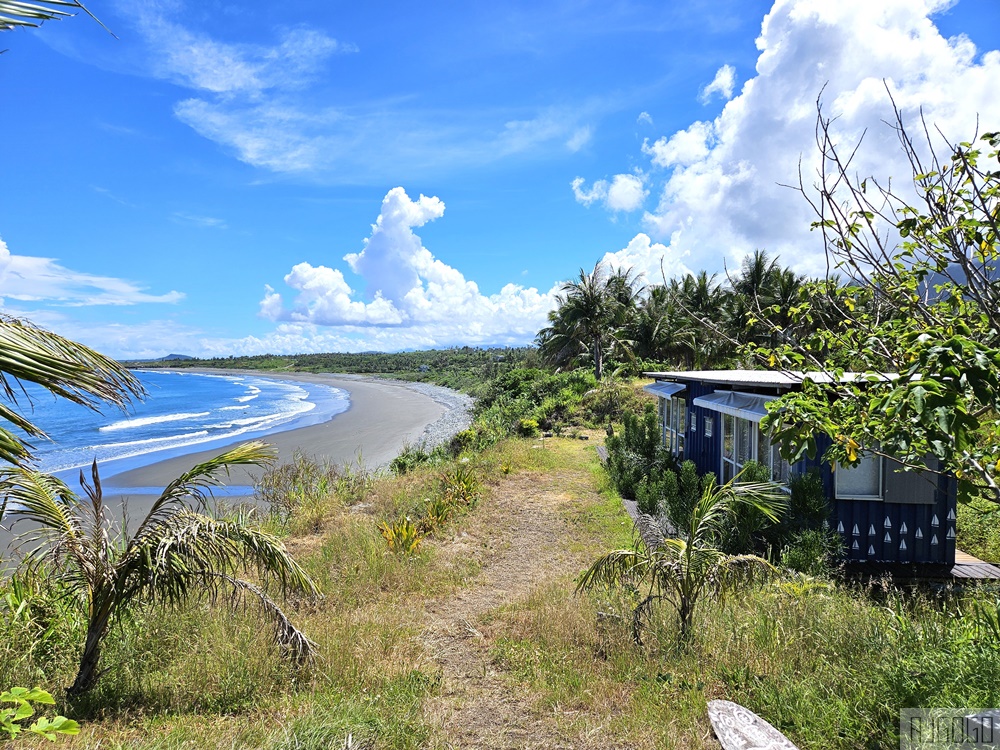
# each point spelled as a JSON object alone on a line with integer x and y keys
{"x": 183, "y": 412}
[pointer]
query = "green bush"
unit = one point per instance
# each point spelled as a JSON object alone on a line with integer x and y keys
{"x": 656, "y": 494}
{"x": 812, "y": 551}
{"x": 527, "y": 428}
{"x": 636, "y": 453}
{"x": 747, "y": 529}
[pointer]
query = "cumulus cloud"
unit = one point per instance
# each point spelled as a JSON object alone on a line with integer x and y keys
{"x": 682, "y": 148}
{"x": 644, "y": 117}
{"x": 653, "y": 261}
{"x": 42, "y": 280}
{"x": 722, "y": 193}
{"x": 625, "y": 192}
{"x": 722, "y": 84}
{"x": 426, "y": 301}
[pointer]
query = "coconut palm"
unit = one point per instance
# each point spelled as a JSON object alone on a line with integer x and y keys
{"x": 685, "y": 569}
{"x": 63, "y": 367}
{"x": 178, "y": 551}
{"x": 590, "y": 318}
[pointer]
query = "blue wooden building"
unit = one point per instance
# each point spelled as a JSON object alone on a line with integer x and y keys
{"x": 883, "y": 514}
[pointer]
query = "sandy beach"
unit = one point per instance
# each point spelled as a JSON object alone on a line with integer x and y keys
{"x": 384, "y": 415}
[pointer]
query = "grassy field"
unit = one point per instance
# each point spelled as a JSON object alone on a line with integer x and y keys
{"x": 478, "y": 640}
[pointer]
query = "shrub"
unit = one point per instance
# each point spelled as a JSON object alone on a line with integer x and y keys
{"x": 409, "y": 458}
{"x": 462, "y": 441}
{"x": 807, "y": 504}
{"x": 11, "y": 716}
{"x": 746, "y": 529}
{"x": 688, "y": 494}
{"x": 636, "y": 453}
{"x": 812, "y": 551}
{"x": 527, "y": 428}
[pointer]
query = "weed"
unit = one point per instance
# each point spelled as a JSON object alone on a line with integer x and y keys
{"x": 402, "y": 535}
{"x": 438, "y": 511}
{"x": 461, "y": 485}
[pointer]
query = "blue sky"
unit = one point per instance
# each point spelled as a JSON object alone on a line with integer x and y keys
{"x": 312, "y": 176}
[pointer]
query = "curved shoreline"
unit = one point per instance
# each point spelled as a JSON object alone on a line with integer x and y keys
{"x": 384, "y": 415}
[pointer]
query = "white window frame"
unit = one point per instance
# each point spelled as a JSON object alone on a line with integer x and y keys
{"x": 674, "y": 420}
{"x": 837, "y": 474}
{"x": 753, "y": 434}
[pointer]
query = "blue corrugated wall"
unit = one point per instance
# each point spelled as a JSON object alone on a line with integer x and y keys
{"x": 873, "y": 531}
{"x": 877, "y": 531}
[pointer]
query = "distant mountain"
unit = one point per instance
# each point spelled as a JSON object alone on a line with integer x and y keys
{"x": 173, "y": 358}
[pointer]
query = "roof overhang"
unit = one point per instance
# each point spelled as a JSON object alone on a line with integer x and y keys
{"x": 744, "y": 405}
{"x": 664, "y": 389}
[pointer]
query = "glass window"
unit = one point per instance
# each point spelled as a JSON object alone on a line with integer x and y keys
{"x": 675, "y": 423}
{"x": 729, "y": 436}
{"x": 744, "y": 445}
{"x": 862, "y": 482}
{"x": 781, "y": 470}
{"x": 709, "y": 425}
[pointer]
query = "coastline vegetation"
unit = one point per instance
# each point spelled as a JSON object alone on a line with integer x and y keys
{"x": 828, "y": 663}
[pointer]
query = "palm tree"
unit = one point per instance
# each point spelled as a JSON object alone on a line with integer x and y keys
{"x": 683, "y": 570}
{"x": 14, "y": 13}
{"x": 175, "y": 553}
{"x": 63, "y": 367}
{"x": 590, "y": 318}
{"x": 704, "y": 302}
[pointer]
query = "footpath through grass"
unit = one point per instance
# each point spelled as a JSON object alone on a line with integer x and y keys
{"x": 478, "y": 640}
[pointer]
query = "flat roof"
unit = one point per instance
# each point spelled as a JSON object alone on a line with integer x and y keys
{"x": 764, "y": 378}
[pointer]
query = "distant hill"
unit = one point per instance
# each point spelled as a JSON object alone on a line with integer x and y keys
{"x": 173, "y": 358}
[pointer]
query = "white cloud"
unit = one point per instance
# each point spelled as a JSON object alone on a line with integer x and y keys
{"x": 654, "y": 261}
{"x": 200, "y": 62}
{"x": 261, "y": 102}
{"x": 682, "y": 148}
{"x": 625, "y": 192}
{"x": 598, "y": 191}
{"x": 723, "y": 84}
{"x": 205, "y": 222}
{"x": 722, "y": 195}
{"x": 579, "y": 139}
{"x": 644, "y": 117}
{"x": 413, "y": 299}
{"x": 31, "y": 279}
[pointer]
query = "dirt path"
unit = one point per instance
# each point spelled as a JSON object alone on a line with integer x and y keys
{"x": 476, "y": 707}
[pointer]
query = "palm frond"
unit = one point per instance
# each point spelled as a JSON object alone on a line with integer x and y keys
{"x": 65, "y": 368}
{"x": 197, "y": 555}
{"x": 47, "y": 501}
{"x": 197, "y": 483}
{"x": 13, "y": 450}
{"x": 55, "y": 532}
{"x": 740, "y": 571}
{"x": 616, "y": 568}
{"x": 293, "y": 642}
{"x": 14, "y": 14}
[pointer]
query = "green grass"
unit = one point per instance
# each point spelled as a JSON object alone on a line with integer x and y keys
{"x": 979, "y": 530}
{"x": 828, "y": 664}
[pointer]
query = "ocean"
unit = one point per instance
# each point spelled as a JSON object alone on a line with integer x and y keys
{"x": 183, "y": 412}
